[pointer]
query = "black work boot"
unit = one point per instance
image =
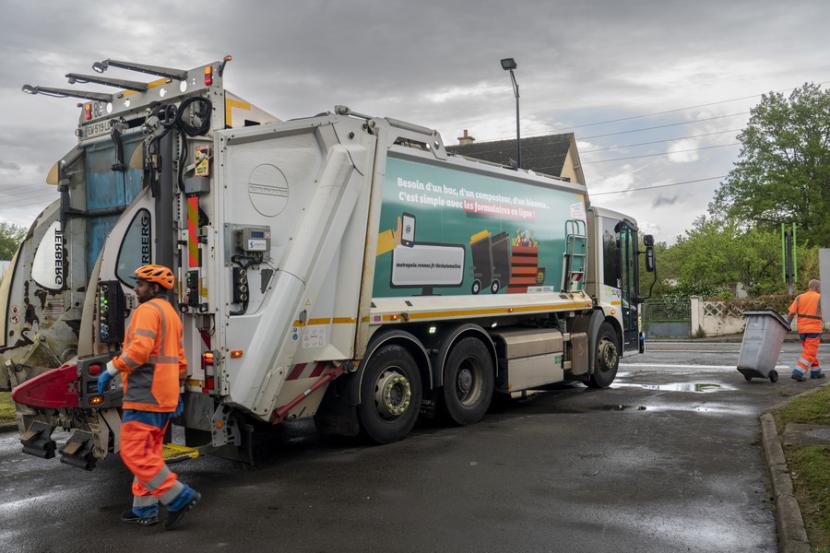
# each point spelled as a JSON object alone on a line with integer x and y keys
{"x": 174, "y": 518}
{"x": 132, "y": 518}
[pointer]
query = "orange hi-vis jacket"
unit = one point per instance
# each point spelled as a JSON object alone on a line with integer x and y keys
{"x": 807, "y": 307}
{"x": 152, "y": 360}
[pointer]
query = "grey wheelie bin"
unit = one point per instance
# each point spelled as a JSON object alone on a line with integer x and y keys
{"x": 761, "y": 344}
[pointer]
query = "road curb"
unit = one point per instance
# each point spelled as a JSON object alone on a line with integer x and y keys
{"x": 8, "y": 427}
{"x": 792, "y": 536}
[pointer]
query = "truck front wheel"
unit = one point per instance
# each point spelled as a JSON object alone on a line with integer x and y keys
{"x": 606, "y": 357}
{"x": 469, "y": 378}
{"x": 390, "y": 395}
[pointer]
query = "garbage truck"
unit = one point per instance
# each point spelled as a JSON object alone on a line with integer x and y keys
{"x": 341, "y": 267}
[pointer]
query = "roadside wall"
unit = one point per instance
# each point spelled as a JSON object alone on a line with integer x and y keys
{"x": 715, "y": 318}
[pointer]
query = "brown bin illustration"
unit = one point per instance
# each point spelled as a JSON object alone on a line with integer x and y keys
{"x": 524, "y": 264}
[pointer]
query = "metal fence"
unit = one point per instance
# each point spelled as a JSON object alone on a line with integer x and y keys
{"x": 667, "y": 318}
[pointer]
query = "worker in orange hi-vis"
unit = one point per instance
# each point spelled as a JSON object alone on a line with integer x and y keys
{"x": 807, "y": 307}
{"x": 152, "y": 365}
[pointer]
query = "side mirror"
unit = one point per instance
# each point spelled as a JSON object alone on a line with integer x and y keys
{"x": 648, "y": 242}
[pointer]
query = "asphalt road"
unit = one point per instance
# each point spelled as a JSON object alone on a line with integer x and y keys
{"x": 666, "y": 460}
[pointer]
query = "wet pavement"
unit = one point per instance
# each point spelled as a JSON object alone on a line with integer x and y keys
{"x": 668, "y": 459}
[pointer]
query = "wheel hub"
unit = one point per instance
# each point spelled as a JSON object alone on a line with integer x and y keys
{"x": 607, "y": 353}
{"x": 393, "y": 394}
{"x": 464, "y": 382}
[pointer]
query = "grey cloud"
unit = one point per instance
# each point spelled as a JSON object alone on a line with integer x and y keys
{"x": 663, "y": 200}
{"x": 9, "y": 166}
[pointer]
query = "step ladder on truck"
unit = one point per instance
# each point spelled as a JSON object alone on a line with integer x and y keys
{"x": 324, "y": 270}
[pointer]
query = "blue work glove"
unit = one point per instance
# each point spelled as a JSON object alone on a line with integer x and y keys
{"x": 179, "y": 408}
{"x": 104, "y": 382}
{"x": 106, "y": 377}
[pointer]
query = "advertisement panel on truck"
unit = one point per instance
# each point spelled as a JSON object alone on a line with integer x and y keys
{"x": 446, "y": 231}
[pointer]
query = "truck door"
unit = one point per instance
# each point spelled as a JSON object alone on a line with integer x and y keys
{"x": 128, "y": 246}
{"x": 627, "y": 240}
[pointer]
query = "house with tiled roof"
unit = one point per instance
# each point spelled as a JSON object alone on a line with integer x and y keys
{"x": 553, "y": 154}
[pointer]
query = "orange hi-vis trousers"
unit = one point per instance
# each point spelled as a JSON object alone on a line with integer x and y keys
{"x": 141, "y": 450}
{"x": 808, "y": 360}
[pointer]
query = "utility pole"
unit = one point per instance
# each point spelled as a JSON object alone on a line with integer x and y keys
{"x": 789, "y": 257}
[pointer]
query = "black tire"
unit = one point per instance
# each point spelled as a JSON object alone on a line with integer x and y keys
{"x": 749, "y": 378}
{"x": 469, "y": 379}
{"x": 606, "y": 357}
{"x": 385, "y": 412}
{"x": 494, "y": 287}
{"x": 476, "y": 286}
{"x": 773, "y": 376}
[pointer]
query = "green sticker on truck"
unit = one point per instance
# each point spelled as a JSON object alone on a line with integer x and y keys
{"x": 447, "y": 231}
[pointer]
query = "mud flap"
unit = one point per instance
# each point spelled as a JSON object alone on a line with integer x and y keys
{"x": 337, "y": 414}
{"x": 37, "y": 440}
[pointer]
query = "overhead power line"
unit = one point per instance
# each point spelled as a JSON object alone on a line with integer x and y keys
{"x": 655, "y": 186}
{"x": 662, "y": 153}
{"x": 663, "y": 112}
{"x": 641, "y": 129}
{"x": 626, "y": 146}
{"x": 630, "y": 131}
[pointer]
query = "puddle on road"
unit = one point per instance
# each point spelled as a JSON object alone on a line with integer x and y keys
{"x": 705, "y": 408}
{"x": 694, "y": 387}
{"x": 620, "y": 408}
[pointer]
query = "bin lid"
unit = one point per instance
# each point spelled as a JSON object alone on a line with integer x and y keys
{"x": 769, "y": 313}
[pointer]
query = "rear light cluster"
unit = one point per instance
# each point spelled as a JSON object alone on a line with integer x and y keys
{"x": 87, "y": 111}
{"x": 207, "y": 361}
{"x": 208, "y": 75}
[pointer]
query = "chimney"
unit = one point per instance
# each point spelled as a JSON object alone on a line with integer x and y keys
{"x": 466, "y": 139}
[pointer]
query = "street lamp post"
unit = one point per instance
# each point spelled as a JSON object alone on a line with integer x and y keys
{"x": 509, "y": 64}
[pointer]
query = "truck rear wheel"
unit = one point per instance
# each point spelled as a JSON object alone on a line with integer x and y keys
{"x": 606, "y": 357}
{"x": 469, "y": 379}
{"x": 390, "y": 395}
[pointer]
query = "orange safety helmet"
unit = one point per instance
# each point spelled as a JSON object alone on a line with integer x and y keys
{"x": 159, "y": 274}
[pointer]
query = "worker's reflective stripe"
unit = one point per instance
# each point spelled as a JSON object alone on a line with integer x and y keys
{"x": 172, "y": 493}
{"x": 803, "y": 362}
{"x": 130, "y": 361}
{"x": 163, "y": 359}
{"x": 158, "y": 479}
{"x": 163, "y": 321}
{"x": 144, "y": 500}
{"x": 146, "y": 332}
{"x": 140, "y": 385}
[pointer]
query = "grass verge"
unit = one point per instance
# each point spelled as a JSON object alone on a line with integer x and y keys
{"x": 6, "y": 407}
{"x": 810, "y": 465}
{"x": 809, "y": 408}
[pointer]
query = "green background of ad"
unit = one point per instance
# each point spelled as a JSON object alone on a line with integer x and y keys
{"x": 451, "y": 225}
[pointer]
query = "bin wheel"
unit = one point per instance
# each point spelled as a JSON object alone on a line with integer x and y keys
{"x": 494, "y": 287}
{"x": 773, "y": 376}
{"x": 476, "y": 286}
{"x": 749, "y": 378}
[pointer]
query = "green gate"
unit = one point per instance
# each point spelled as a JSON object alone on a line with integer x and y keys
{"x": 667, "y": 318}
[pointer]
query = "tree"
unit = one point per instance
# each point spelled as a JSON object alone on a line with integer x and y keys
{"x": 718, "y": 253}
{"x": 10, "y": 238}
{"x": 783, "y": 171}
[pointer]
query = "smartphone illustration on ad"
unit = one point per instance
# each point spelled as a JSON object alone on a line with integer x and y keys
{"x": 407, "y": 230}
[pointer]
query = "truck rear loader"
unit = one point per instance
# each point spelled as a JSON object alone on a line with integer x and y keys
{"x": 343, "y": 267}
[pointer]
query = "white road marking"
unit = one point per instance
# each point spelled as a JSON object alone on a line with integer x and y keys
{"x": 733, "y": 367}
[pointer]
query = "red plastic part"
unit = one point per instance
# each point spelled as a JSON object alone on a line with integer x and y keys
{"x": 54, "y": 389}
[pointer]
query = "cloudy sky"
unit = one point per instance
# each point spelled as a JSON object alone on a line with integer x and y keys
{"x": 654, "y": 90}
